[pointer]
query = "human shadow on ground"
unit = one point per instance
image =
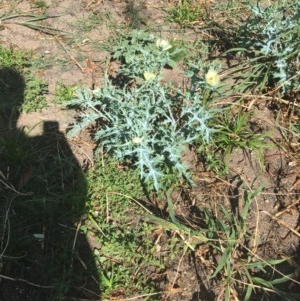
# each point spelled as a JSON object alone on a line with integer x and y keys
{"x": 43, "y": 254}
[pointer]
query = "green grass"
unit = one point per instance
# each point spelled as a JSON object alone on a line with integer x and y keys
{"x": 33, "y": 21}
{"x": 63, "y": 93}
{"x": 40, "y": 4}
{"x": 18, "y": 82}
{"x": 186, "y": 14}
{"x": 91, "y": 22}
{"x": 116, "y": 220}
{"x": 234, "y": 131}
{"x": 237, "y": 268}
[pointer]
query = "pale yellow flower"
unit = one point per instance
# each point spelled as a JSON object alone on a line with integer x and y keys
{"x": 164, "y": 45}
{"x": 149, "y": 76}
{"x": 137, "y": 140}
{"x": 212, "y": 78}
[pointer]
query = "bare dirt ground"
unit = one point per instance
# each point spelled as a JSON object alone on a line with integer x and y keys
{"x": 275, "y": 213}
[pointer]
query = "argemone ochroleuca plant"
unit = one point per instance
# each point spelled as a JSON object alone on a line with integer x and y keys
{"x": 144, "y": 121}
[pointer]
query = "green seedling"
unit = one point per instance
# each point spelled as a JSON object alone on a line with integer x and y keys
{"x": 235, "y": 132}
{"x": 18, "y": 84}
{"x": 91, "y": 22}
{"x": 185, "y": 14}
{"x": 41, "y": 4}
{"x": 63, "y": 93}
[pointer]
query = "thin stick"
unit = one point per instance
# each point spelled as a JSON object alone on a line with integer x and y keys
{"x": 134, "y": 298}
{"x": 132, "y": 199}
{"x": 287, "y": 208}
{"x": 179, "y": 263}
{"x": 68, "y": 53}
{"x": 107, "y": 207}
{"x": 25, "y": 281}
{"x": 281, "y": 222}
{"x": 272, "y": 267}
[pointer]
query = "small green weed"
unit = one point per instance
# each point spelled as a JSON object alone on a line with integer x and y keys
{"x": 63, "y": 93}
{"x": 34, "y": 97}
{"x": 213, "y": 159}
{"x": 29, "y": 88}
{"x": 10, "y": 58}
{"x": 234, "y": 131}
{"x": 231, "y": 131}
{"x": 41, "y": 4}
{"x": 92, "y": 21}
{"x": 239, "y": 271}
{"x": 185, "y": 14}
{"x": 125, "y": 249}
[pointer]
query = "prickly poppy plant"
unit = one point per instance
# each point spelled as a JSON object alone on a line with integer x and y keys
{"x": 144, "y": 121}
{"x": 271, "y": 37}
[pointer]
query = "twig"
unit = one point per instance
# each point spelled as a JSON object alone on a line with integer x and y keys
{"x": 281, "y": 222}
{"x": 6, "y": 223}
{"x": 287, "y": 208}
{"x": 178, "y": 266}
{"x": 26, "y": 281}
{"x": 75, "y": 238}
{"x": 68, "y": 53}
{"x": 287, "y": 102}
{"x": 132, "y": 199}
{"x": 11, "y": 187}
{"x": 270, "y": 265}
{"x": 82, "y": 151}
{"x": 133, "y": 298}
